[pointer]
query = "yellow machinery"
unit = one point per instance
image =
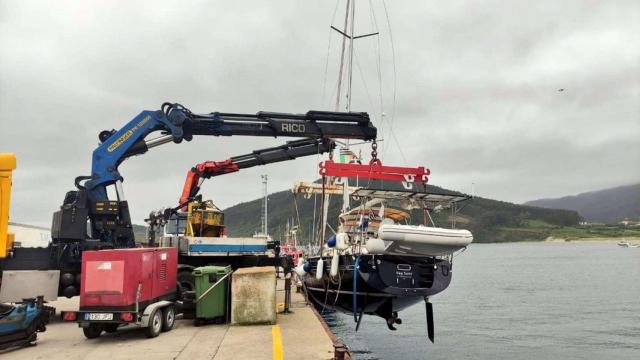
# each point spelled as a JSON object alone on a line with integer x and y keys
{"x": 7, "y": 165}
{"x": 204, "y": 219}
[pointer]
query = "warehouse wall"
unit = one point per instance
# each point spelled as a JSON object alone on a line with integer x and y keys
{"x": 29, "y": 235}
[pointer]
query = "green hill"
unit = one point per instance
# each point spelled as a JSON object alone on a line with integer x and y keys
{"x": 607, "y": 205}
{"x": 489, "y": 220}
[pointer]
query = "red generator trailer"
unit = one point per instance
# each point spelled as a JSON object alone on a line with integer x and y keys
{"x": 127, "y": 286}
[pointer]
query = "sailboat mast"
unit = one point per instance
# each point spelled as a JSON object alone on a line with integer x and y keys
{"x": 344, "y": 43}
{"x": 325, "y": 198}
{"x": 345, "y": 193}
{"x": 350, "y": 73}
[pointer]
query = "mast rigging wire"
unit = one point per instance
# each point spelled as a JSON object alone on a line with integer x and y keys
{"x": 395, "y": 85}
{"x": 326, "y": 64}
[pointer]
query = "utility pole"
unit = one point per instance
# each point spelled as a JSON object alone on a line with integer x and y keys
{"x": 265, "y": 206}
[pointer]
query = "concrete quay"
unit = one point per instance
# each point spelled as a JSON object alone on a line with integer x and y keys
{"x": 300, "y": 334}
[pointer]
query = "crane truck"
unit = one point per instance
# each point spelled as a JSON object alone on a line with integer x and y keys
{"x": 89, "y": 220}
{"x": 196, "y": 227}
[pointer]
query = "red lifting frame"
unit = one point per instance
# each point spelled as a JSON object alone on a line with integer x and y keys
{"x": 375, "y": 171}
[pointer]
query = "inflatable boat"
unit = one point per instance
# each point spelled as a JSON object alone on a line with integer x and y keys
{"x": 422, "y": 240}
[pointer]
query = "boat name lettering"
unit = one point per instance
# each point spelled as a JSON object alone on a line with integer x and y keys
{"x": 404, "y": 274}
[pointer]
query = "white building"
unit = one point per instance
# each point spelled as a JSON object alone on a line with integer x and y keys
{"x": 30, "y": 235}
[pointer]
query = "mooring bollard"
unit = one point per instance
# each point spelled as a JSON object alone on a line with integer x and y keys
{"x": 340, "y": 351}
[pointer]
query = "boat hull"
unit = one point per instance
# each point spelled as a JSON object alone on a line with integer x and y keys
{"x": 384, "y": 284}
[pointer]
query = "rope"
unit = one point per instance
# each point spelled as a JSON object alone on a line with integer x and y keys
{"x": 393, "y": 60}
{"x": 364, "y": 81}
{"x": 295, "y": 203}
{"x": 335, "y": 300}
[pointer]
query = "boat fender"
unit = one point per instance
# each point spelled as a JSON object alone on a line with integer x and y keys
{"x": 375, "y": 246}
{"x": 300, "y": 270}
{"x": 319, "y": 269}
{"x": 331, "y": 242}
{"x": 342, "y": 241}
{"x": 335, "y": 261}
{"x": 303, "y": 268}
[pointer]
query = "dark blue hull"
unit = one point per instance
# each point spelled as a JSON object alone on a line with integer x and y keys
{"x": 384, "y": 284}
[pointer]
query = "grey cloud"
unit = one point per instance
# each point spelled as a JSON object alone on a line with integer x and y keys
{"x": 477, "y": 97}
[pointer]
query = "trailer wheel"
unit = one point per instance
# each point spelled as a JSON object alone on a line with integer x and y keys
{"x": 111, "y": 328}
{"x": 155, "y": 324}
{"x": 168, "y": 317}
{"x": 92, "y": 331}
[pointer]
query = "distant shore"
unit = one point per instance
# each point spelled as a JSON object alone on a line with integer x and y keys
{"x": 592, "y": 240}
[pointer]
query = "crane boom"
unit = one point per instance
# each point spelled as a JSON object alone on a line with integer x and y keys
{"x": 289, "y": 151}
{"x": 178, "y": 123}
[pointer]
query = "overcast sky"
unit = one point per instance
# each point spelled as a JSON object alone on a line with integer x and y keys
{"x": 477, "y": 90}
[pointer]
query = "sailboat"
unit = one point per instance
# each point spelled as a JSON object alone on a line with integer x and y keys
{"x": 377, "y": 262}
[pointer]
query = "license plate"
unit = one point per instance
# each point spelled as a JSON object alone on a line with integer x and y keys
{"x": 98, "y": 316}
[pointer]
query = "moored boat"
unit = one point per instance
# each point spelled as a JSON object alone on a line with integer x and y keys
{"x": 377, "y": 263}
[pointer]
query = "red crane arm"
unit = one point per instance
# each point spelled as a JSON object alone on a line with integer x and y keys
{"x": 289, "y": 151}
{"x": 203, "y": 171}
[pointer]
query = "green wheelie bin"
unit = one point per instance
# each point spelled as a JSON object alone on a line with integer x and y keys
{"x": 211, "y": 293}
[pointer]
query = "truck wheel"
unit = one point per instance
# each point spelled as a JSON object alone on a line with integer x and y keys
{"x": 168, "y": 317}
{"x": 111, "y": 328}
{"x": 155, "y": 324}
{"x": 92, "y": 331}
{"x": 186, "y": 281}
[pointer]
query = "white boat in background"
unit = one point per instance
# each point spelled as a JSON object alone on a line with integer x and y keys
{"x": 627, "y": 244}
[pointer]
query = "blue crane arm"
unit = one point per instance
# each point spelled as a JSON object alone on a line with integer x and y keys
{"x": 126, "y": 142}
{"x": 178, "y": 123}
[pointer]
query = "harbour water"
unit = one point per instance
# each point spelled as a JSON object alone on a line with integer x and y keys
{"x": 519, "y": 301}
